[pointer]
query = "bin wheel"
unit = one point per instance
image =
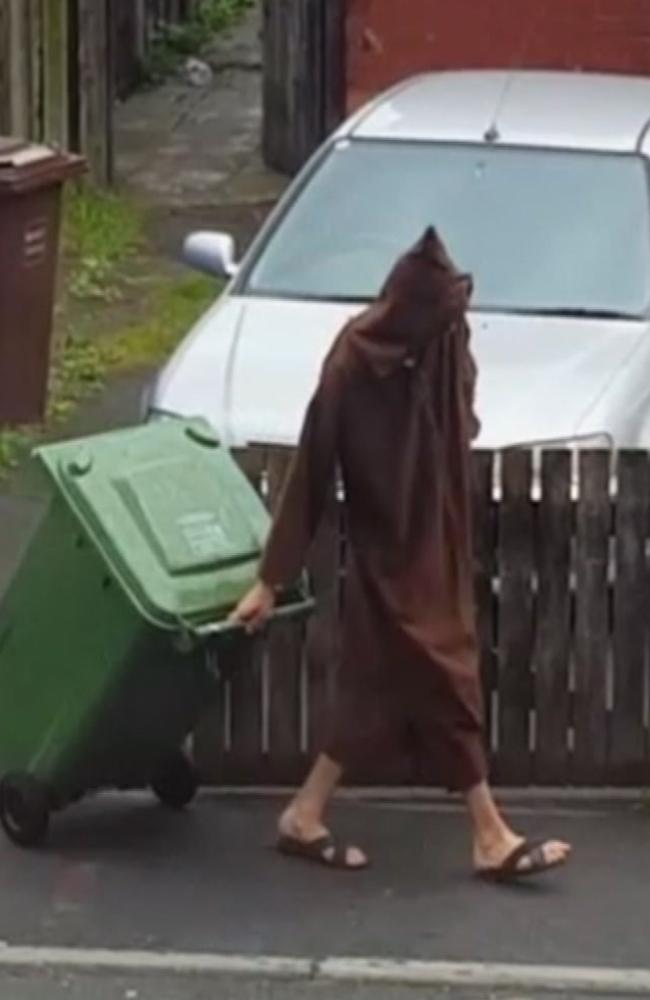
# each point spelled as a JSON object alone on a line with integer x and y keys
{"x": 176, "y": 782}
{"x": 24, "y": 809}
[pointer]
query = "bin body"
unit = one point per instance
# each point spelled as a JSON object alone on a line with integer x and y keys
{"x": 146, "y": 534}
{"x": 31, "y": 180}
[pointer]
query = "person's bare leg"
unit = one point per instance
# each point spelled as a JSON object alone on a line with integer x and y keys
{"x": 305, "y": 814}
{"x": 494, "y": 840}
{"x": 304, "y": 817}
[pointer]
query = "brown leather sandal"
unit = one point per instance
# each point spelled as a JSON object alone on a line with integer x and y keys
{"x": 322, "y": 851}
{"x": 511, "y": 871}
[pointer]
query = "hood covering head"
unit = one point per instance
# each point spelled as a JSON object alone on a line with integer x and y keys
{"x": 426, "y": 276}
{"x": 423, "y": 296}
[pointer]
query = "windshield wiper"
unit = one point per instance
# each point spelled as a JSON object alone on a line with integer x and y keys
{"x": 575, "y": 313}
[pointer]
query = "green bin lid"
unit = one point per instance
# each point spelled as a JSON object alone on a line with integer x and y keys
{"x": 171, "y": 513}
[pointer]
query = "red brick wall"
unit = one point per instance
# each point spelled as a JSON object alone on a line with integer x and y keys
{"x": 391, "y": 39}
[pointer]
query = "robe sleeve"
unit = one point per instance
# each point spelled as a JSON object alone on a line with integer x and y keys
{"x": 307, "y": 487}
{"x": 470, "y": 376}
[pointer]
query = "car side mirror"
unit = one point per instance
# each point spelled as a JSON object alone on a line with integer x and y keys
{"x": 212, "y": 253}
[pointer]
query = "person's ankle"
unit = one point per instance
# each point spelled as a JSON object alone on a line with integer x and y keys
{"x": 490, "y": 837}
{"x": 302, "y": 816}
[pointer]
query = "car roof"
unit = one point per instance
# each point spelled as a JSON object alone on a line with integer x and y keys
{"x": 585, "y": 111}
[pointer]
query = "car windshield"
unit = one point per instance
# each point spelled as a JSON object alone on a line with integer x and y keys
{"x": 540, "y": 230}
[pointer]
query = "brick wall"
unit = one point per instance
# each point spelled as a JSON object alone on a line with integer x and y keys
{"x": 391, "y": 39}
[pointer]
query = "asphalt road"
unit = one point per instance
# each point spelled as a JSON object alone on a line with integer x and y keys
{"x": 119, "y": 872}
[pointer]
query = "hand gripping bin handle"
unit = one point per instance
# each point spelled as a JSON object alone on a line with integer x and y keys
{"x": 295, "y": 610}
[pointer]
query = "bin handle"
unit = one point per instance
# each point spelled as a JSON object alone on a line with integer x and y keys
{"x": 286, "y": 612}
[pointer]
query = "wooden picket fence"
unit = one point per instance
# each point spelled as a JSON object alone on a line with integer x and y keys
{"x": 563, "y": 595}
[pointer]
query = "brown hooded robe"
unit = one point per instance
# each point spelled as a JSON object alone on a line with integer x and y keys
{"x": 394, "y": 410}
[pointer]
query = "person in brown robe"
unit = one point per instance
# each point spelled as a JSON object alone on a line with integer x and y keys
{"x": 394, "y": 413}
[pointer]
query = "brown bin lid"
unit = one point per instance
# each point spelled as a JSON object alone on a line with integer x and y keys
{"x": 28, "y": 166}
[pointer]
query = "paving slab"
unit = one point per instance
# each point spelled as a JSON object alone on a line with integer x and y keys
{"x": 180, "y": 145}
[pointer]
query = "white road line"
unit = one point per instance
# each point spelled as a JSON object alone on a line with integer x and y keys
{"x": 490, "y": 976}
{"x": 443, "y": 975}
{"x": 180, "y": 963}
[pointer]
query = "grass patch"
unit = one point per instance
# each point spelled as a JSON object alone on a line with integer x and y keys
{"x": 14, "y": 443}
{"x": 85, "y": 363}
{"x": 101, "y": 232}
{"x": 107, "y": 261}
{"x": 175, "y": 42}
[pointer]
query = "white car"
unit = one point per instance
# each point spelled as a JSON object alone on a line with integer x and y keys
{"x": 539, "y": 184}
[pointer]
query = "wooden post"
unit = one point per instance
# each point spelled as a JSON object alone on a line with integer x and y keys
{"x": 304, "y": 78}
{"x": 35, "y": 18}
{"x": 124, "y": 30}
{"x": 95, "y": 89}
{"x": 20, "y": 70}
{"x": 334, "y": 65}
{"x": 5, "y": 67}
{"x": 140, "y": 28}
{"x": 55, "y": 72}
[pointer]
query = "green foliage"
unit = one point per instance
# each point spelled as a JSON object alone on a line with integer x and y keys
{"x": 217, "y": 15}
{"x": 176, "y": 42}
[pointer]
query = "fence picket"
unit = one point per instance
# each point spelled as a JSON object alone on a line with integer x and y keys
{"x": 628, "y": 735}
{"x": 284, "y": 666}
{"x": 592, "y": 631}
{"x": 553, "y": 633}
{"x": 322, "y": 649}
{"x": 485, "y": 544}
{"x": 515, "y": 563}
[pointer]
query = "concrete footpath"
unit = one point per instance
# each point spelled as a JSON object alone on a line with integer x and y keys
{"x": 128, "y": 890}
{"x": 192, "y": 155}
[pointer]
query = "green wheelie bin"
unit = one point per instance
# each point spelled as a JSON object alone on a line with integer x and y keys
{"x": 107, "y": 633}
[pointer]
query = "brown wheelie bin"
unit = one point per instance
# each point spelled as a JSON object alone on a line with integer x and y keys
{"x": 31, "y": 181}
